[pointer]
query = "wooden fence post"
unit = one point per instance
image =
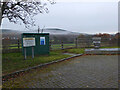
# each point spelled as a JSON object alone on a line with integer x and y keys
{"x": 76, "y": 42}
{"x": 18, "y": 43}
{"x": 50, "y": 45}
{"x": 88, "y": 43}
{"x": 62, "y": 45}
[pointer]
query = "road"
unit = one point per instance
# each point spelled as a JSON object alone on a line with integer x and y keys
{"x": 95, "y": 71}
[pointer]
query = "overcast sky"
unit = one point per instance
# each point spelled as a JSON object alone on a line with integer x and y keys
{"x": 93, "y": 16}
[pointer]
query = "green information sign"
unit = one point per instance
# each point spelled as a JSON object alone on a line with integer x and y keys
{"x": 35, "y": 43}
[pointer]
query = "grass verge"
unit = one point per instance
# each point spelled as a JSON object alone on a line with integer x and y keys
{"x": 75, "y": 50}
{"x": 112, "y": 47}
{"x": 15, "y": 61}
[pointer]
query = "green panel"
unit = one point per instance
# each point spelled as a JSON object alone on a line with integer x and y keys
{"x": 38, "y": 49}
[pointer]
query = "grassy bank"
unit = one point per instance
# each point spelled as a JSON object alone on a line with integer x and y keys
{"x": 112, "y": 47}
{"x": 76, "y": 50}
{"x": 15, "y": 61}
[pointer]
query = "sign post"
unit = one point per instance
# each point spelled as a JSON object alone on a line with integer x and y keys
{"x": 28, "y": 42}
{"x": 32, "y": 52}
{"x": 25, "y": 54}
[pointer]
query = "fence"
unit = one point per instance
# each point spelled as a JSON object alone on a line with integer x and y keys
{"x": 11, "y": 45}
{"x": 105, "y": 42}
{"x": 14, "y": 45}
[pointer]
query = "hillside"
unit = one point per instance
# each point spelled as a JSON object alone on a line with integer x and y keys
{"x": 47, "y": 30}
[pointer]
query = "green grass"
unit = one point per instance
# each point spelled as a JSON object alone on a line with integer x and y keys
{"x": 14, "y": 47}
{"x": 76, "y": 50}
{"x": 15, "y": 44}
{"x": 112, "y": 47}
{"x": 15, "y": 61}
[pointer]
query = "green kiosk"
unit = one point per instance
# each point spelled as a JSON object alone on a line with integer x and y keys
{"x": 34, "y": 44}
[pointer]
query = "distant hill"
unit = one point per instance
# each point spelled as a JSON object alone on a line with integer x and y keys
{"x": 9, "y": 31}
{"x": 46, "y": 30}
{"x": 59, "y": 31}
{"x": 55, "y": 29}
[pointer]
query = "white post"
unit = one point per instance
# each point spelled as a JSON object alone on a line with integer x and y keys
{"x": 32, "y": 52}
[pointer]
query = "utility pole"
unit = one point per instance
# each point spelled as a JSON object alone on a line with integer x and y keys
{"x": 38, "y": 29}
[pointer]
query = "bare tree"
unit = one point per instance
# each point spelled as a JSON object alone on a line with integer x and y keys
{"x": 22, "y": 11}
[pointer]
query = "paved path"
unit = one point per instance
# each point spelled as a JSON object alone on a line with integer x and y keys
{"x": 98, "y": 71}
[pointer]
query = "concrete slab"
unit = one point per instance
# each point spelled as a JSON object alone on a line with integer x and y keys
{"x": 103, "y": 51}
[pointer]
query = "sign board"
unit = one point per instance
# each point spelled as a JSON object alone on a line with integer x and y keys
{"x": 96, "y": 41}
{"x": 28, "y": 42}
{"x": 42, "y": 40}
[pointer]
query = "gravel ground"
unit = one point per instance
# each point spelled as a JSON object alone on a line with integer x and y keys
{"x": 95, "y": 71}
